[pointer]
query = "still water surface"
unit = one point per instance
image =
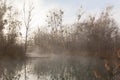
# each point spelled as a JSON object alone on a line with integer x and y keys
{"x": 48, "y": 68}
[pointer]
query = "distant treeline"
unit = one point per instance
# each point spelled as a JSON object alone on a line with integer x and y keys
{"x": 98, "y": 35}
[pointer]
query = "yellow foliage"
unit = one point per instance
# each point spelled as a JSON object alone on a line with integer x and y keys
{"x": 107, "y": 66}
{"x": 97, "y": 74}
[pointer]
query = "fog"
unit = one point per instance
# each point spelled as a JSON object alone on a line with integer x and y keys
{"x": 83, "y": 50}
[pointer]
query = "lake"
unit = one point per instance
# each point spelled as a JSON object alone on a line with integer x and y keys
{"x": 52, "y": 68}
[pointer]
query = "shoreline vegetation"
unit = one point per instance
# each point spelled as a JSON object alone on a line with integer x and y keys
{"x": 95, "y": 36}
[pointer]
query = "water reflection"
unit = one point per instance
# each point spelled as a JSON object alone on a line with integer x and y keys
{"x": 65, "y": 69}
{"x": 10, "y": 68}
{"x": 60, "y": 68}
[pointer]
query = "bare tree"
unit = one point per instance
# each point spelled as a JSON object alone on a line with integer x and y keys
{"x": 81, "y": 11}
{"x": 27, "y": 21}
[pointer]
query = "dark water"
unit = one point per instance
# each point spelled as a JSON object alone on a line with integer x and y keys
{"x": 57, "y": 68}
{"x": 10, "y": 69}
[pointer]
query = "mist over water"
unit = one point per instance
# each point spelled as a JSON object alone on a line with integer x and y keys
{"x": 61, "y": 67}
{"x": 87, "y": 49}
{"x": 53, "y": 67}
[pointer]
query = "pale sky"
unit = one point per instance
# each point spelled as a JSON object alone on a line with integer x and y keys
{"x": 70, "y": 8}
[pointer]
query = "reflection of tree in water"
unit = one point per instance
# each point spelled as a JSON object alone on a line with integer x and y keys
{"x": 10, "y": 68}
{"x": 64, "y": 69}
